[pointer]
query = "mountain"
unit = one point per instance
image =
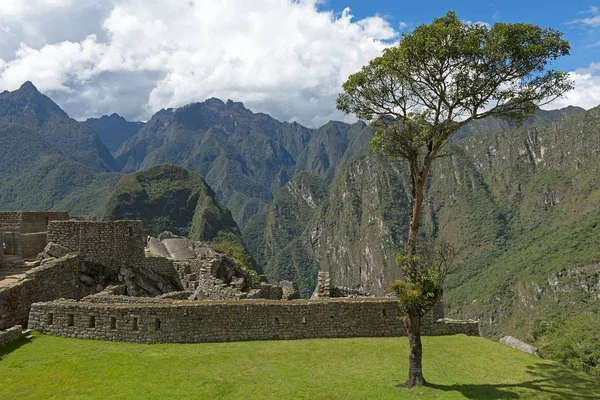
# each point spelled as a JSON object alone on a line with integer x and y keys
{"x": 50, "y": 161}
{"x": 493, "y": 124}
{"x": 332, "y": 146}
{"x": 170, "y": 198}
{"x": 113, "y": 130}
{"x": 28, "y": 108}
{"x": 246, "y": 157}
{"x": 279, "y": 238}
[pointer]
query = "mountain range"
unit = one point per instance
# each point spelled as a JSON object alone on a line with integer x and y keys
{"x": 520, "y": 204}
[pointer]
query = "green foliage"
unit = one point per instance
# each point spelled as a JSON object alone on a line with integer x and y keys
{"x": 442, "y": 75}
{"x": 574, "y": 342}
{"x": 416, "y": 298}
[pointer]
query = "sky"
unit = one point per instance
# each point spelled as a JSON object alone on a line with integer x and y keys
{"x": 282, "y": 57}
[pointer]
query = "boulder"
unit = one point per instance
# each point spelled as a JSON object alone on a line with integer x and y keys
{"x": 290, "y": 290}
{"x": 157, "y": 248}
{"x": 519, "y": 345}
{"x": 56, "y": 250}
{"x": 180, "y": 248}
{"x": 143, "y": 282}
{"x": 167, "y": 235}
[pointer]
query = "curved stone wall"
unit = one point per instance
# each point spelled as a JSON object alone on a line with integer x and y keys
{"x": 211, "y": 321}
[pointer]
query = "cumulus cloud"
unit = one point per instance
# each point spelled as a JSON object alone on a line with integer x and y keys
{"x": 134, "y": 57}
{"x": 287, "y": 58}
{"x": 587, "y": 89}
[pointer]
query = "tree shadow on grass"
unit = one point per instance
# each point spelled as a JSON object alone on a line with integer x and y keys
{"x": 9, "y": 348}
{"x": 550, "y": 381}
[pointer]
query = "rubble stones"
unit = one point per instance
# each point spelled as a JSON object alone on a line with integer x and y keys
{"x": 56, "y": 250}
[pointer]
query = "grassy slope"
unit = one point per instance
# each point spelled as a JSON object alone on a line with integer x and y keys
{"x": 458, "y": 367}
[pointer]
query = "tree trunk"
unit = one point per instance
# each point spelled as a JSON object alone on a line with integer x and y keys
{"x": 412, "y": 323}
{"x": 416, "y": 205}
{"x": 415, "y": 356}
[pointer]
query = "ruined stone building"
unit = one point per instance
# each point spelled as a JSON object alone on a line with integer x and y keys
{"x": 101, "y": 280}
{"x": 23, "y": 233}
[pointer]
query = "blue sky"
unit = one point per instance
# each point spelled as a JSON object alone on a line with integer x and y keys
{"x": 562, "y": 15}
{"x": 287, "y": 58}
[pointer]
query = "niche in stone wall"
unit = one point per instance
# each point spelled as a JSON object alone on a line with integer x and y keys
{"x": 113, "y": 323}
{"x": 49, "y": 319}
{"x": 157, "y": 324}
{"x": 70, "y": 320}
{"x": 135, "y": 326}
{"x": 92, "y": 322}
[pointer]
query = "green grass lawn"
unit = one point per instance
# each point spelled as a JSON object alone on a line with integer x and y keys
{"x": 456, "y": 367}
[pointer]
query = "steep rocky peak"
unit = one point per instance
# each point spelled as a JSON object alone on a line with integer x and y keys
{"x": 27, "y": 105}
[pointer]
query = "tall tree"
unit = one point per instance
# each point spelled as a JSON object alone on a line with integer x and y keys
{"x": 419, "y": 93}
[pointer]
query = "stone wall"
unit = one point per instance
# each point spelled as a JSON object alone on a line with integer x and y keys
{"x": 185, "y": 321}
{"x": 57, "y": 279}
{"x": 160, "y": 265}
{"x": 10, "y": 335}
{"x": 110, "y": 244}
{"x": 24, "y": 232}
{"x": 29, "y": 221}
{"x": 33, "y": 243}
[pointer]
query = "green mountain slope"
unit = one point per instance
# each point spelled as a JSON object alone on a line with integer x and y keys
{"x": 37, "y": 176}
{"x": 113, "y": 130}
{"x": 168, "y": 197}
{"x": 545, "y": 181}
{"x": 245, "y": 157}
{"x": 28, "y": 108}
{"x": 279, "y": 238}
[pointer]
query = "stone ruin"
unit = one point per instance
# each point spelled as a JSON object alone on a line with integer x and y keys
{"x": 206, "y": 274}
{"x": 124, "y": 286}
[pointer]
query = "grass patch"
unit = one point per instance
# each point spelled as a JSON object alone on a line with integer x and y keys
{"x": 457, "y": 367}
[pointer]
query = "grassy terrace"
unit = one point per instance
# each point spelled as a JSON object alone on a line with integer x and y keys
{"x": 457, "y": 367}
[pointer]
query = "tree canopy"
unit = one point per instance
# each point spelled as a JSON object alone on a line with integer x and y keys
{"x": 448, "y": 73}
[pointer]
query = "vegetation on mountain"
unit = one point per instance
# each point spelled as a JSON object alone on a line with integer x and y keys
{"x": 419, "y": 93}
{"x": 113, "y": 130}
{"x": 278, "y": 237}
{"x": 170, "y": 198}
{"x": 245, "y": 157}
{"x": 28, "y": 108}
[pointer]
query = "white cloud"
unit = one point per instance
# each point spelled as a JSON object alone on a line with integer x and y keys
{"x": 590, "y": 22}
{"x": 587, "y": 89}
{"x": 134, "y": 57}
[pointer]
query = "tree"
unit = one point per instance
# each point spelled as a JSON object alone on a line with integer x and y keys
{"x": 419, "y": 93}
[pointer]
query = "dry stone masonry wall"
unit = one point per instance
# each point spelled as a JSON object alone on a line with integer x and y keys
{"x": 24, "y": 232}
{"x": 110, "y": 244}
{"x": 163, "y": 320}
{"x": 57, "y": 279}
{"x": 10, "y": 335}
